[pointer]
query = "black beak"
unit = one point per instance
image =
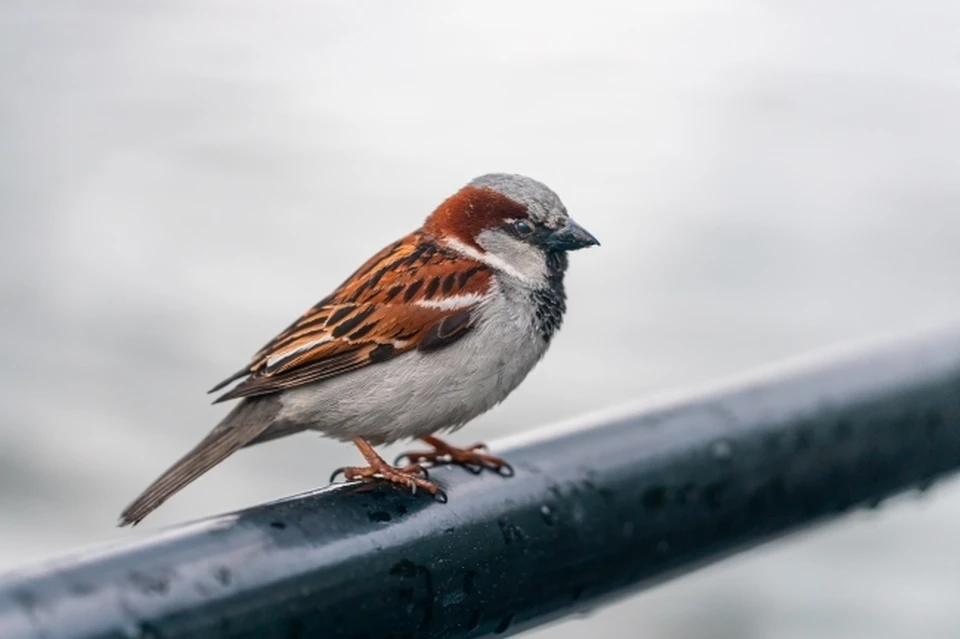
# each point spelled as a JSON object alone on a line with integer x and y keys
{"x": 570, "y": 238}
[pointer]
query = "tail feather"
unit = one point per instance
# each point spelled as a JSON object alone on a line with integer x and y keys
{"x": 246, "y": 422}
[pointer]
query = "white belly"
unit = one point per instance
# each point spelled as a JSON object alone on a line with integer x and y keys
{"x": 416, "y": 394}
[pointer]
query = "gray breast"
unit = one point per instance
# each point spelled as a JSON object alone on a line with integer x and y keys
{"x": 418, "y": 394}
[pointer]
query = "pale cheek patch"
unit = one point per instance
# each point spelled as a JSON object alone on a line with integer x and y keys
{"x": 492, "y": 261}
{"x": 525, "y": 260}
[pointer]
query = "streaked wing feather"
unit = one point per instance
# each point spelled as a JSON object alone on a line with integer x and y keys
{"x": 446, "y": 331}
{"x": 410, "y": 295}
{"x": 261, "y": 384}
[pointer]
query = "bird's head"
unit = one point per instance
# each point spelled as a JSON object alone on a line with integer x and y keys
{"x": 512, "y": 223}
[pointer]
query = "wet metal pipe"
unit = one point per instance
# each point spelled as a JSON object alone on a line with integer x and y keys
{"x": 597, "y": 509}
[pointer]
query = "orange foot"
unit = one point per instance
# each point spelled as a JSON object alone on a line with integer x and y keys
{"x": 470, "y": 458}
{"x": 380, "y": 469}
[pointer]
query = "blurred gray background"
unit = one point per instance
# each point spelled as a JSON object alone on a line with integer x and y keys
{"x": 180, "y": 179}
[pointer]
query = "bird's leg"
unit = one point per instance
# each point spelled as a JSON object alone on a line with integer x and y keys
{"x": 379, "y": 469}
{"x": 472, "y": 458}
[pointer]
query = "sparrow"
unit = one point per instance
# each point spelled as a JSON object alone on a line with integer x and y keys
{"x": 432, "y": 331}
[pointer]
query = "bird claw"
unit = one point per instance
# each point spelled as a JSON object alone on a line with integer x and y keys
{"x": 405, "y": 476}
{"x": 470, "y": 458}
{"x": 506, "y": 470}
{"x": 365, "y": 472}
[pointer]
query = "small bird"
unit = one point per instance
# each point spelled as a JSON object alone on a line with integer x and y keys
{"x": 432, "y": 331}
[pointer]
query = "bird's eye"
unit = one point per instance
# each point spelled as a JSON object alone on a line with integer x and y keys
{"x": 522, "y": 227}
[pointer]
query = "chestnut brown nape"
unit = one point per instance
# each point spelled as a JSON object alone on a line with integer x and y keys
{"x": 471, "y": 210}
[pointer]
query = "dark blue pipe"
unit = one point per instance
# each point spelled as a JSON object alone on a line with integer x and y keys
{"x": 596, "y": 510}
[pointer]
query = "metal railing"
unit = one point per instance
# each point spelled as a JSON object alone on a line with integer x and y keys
{"x": 597, "y": 509}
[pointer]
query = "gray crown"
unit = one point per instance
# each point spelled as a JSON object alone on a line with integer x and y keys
{"x": 543, "y": 205}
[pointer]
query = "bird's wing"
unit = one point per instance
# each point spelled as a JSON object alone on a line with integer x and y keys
{"x": 411, "y": 295}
